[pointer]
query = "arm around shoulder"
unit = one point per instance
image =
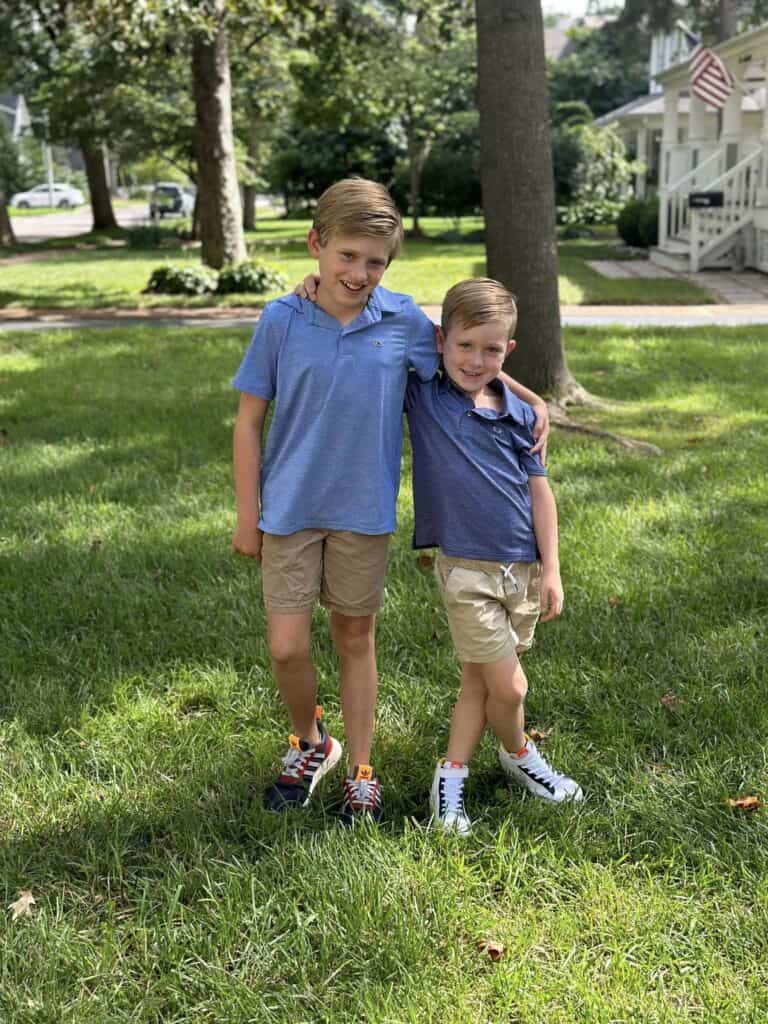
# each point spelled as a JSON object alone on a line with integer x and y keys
{"x": 539, "y": 406}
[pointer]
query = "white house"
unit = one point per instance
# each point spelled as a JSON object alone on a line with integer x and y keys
{"x": 689, "y": 147}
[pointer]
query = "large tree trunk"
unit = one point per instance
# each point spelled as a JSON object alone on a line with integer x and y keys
{"x": 221, "y": 226}
{"x": 249, "y": 207}
{"x": 98, "y": 186}
{"x": 727, "y": 21}
{"x": 518, "y": 186}
{"x": 7, "y": 236}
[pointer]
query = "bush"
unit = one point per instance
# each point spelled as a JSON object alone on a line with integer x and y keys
{"x": 591, "y": 211}
{"x": 192, "y": 280}
{"x": 152, "y": 236}
{"x": 250, "y": 276}
{"x": 638, "y": 222}
{"x": 649, "y": 223}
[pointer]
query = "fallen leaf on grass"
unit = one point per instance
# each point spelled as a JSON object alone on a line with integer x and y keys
{"x": 537, "y": 735}
{"x": 494, "y": 950}
{"x": 157, "y": 575}
{"x": 745, "y": 803}
{"x": 656, "y": 767}
{"x": 694, "y": 440}
{"x": 669, "y": 701}
{"x": 5, "y": 437}
{"x": 91, "y": 488}
{"x": 22, "y": 907}
{"x": 615, "y": 601}
{"x": 97, "y": 546}
{"x": 436, "y": 635}
{"x": 425, "y": 563}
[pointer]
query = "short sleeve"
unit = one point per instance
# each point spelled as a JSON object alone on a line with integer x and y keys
{"x": 257, "y": 374}
{"x": 412, "y": 391}
{"x": 422, "y": 349}
{"x": 524, "y": 441}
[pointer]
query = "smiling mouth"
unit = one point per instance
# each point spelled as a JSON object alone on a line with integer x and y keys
{"x": 353, "y": 287}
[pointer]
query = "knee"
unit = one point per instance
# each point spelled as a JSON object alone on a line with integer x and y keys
{"x": 287, "y": 651}
{"x": 512, "y": 690}
{"x": 352, "y": 639}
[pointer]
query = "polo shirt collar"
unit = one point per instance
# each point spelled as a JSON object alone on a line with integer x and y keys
{"x": 380, "y": 304}
{"x": 512, "y": 409}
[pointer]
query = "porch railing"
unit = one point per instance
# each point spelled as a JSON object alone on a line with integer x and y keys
{"x": 674, "y": 214}
{"x": 739, "y": 186}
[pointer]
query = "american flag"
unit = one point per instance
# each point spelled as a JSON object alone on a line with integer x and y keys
{"x": 711, "y": 80}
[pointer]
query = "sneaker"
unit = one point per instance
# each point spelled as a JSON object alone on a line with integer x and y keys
{"x": 446, "y": 798}
{"x": 362, "y": 796}
{"x": 533, "y": 772}
{"x": 303, "y": 767}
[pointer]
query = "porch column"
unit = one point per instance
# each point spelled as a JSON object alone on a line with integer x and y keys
{"x": 643, "y": 157}
{"x": 697, "y": 131}
{"x": 731, "y": 134}
{"x": 669, "y": 169}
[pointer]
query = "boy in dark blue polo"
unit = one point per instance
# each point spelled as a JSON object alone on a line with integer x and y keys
{"x": 483, "y": 499}
{"x": 318, "y": 509}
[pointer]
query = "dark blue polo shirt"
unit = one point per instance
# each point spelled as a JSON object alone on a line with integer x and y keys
{"x": 332, "y": 456}
{"x": 470, "y": 472}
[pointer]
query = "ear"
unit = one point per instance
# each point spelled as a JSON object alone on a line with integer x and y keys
{"x": 313, "y": 243}
{"x": 439, "y": 338}
{"x": 510, "y": 345}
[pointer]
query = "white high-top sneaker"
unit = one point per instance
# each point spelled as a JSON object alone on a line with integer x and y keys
{"x": 533, "y": 772}
{"x": 446, "y": 798}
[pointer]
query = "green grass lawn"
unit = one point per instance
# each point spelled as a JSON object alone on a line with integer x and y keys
{"x": 138, "y": 717}
{"x": 106, "y": 276}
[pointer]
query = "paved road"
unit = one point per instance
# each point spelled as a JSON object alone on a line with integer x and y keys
{"x": 572, "y": 316}
{"x": 73, "y": 222}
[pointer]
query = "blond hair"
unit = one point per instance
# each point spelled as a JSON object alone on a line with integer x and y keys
{"x": 479, "y": 300}
{"x": 356, "y": 206}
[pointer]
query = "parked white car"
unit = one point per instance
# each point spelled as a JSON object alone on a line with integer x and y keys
{"x": 64, "y": 196}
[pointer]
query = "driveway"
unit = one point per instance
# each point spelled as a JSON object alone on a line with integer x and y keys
{"x": 72, "y": 222}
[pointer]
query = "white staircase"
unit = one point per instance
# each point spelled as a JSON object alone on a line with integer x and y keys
{"x": 695, "y": 239}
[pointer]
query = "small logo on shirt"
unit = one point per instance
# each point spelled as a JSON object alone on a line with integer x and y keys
{"x": 378, "y": 344}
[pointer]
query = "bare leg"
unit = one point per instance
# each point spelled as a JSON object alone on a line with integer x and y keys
{"x": 289, "y": 637}
{"x": 507, "y": 687}
{"x": 468, "y": 721}
{"x": 354, "y": 638}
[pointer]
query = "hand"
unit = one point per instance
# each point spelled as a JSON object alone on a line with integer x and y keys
{"x": 307, "y": 289}
{"x": 247, "y": 542}
{"x": 541, "y": 431}
{"x": 551, "y": 595}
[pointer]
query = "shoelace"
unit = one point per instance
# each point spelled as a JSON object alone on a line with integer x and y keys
{"x": 541, "y": 766}
{"x": 363, "y": 791}
{"x": 453, "y": 794}
{"x": 294, "y": 762}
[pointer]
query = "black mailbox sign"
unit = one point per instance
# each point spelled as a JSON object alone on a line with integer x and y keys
{"x": 704, "y": 200}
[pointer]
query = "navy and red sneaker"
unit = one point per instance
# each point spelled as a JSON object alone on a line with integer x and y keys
{"x": 362, "y": 796}
{"x": 303, "y": 767}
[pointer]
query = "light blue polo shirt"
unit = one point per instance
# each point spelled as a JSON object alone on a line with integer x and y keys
{"x": 332, "y": 456}
{"x": 470, "y": 473}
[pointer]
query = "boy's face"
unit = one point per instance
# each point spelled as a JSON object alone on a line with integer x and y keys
{"x": 473, "y": 356}
{"x": 350, "y": 267}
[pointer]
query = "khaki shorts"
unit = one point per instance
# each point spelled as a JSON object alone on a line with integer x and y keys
{"x": 492, "y": 609}
{"x": 343, "y": 570}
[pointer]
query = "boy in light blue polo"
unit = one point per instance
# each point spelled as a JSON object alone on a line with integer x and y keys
{"x": 317, "y": 511}
{"x": 483, "y": 499}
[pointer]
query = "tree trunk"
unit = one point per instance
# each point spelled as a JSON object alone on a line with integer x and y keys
{"x": 98, "y": 186}
{"x": 221, "y": 219}
{"x": 518, "y": 186}
{"x": 7, "y": 236}
{"x": 727, "y": 22}
{"x": 249, "y": 207}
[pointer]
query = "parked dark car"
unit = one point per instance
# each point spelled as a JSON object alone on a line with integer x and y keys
{"x": 171, "y": 200}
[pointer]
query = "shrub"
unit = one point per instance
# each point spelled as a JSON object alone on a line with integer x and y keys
{"x": 192, "y": 280}
{"x": 152, "y": 236}
{"x": 649, "y": 222}
{"x": 250, "y": 276}
{"x": 638, "y": 222}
